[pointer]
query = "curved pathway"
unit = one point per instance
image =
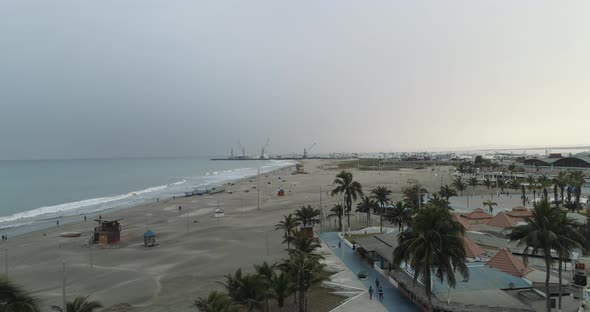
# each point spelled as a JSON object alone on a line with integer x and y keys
{"x": 393, "y": 299}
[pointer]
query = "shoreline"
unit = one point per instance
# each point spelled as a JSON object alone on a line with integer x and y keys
{"x": 76, "y": 216}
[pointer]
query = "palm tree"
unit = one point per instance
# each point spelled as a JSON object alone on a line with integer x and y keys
{"x": 473, "y": 182}
{"x": 399, "y": 215}
{"x": 514, "y": 184}
{"x": 577, "y": 179}
{"x": 287, "y": 225}
{"x": 280, "y": 286}
{"x": 350, "y": 189}
{"x": 490, "y": 204}
{"x": 434, "y": 245}
{"x": 307, "y": 215}
{"x": 561, "y": 182}
{"x": 302, "y": 243}
{"x": 215, "y": 302}
{"x": 337, "y": 211}
{"x": 447, "y": 192}
{"x": 381, "y": 196}
{"x": 459, "y": 185}
{"x": 488, "y": 183}
{"x": 14, "y": 298}
{"x": 304, "y": 268}
{"x": 80, "y": 304}
{"x": 365, "y": 205}
{"x": 440, "y": 202}
{"x": 414, "y": 196}
{"x": 246, "y": 290}
{"x": 540, "y": 235}
{"x": 265, "y": 271}
{"x": 501, "y": 184}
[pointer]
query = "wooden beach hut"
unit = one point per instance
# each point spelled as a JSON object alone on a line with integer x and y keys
{"x": 107, "y": 232}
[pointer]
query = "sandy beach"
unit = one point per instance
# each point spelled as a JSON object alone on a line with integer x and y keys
{"x": 194, "y": 250}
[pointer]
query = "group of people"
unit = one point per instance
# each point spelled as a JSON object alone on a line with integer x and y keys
{"x": 379, "y": 290}
{"x": 378, "y": 286}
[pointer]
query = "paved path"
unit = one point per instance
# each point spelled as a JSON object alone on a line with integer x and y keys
{"x": 393, "y": 300}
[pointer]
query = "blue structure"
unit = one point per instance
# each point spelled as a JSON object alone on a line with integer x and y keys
{"x": 149, "y": 238}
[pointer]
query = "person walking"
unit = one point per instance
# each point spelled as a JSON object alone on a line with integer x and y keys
{"x": 339, "y": 244}
{"x": 380, "y": 293}
{"x": 370, "y": 292}
{"x": 377, "y": 283}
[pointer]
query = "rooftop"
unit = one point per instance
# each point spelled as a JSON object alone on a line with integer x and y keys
{"x": 508, "y": 263}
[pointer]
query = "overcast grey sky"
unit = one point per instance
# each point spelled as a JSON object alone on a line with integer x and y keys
{"x": 162, "y": 78}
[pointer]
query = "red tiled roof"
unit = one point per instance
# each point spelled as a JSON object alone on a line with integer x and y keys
{"x": 472, "y": 250}
{"x": 477, "y": 213}
{"x": 506, "y": 262}
{"x": 457, "y": 217}
{"x": 520, "y": 212}
{"x": 503, "y": 220}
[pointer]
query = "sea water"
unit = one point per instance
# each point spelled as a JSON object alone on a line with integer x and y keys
{"x": 37, "y": 193}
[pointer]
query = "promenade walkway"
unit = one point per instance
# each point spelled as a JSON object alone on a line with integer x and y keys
{"x": 393, "y": 300}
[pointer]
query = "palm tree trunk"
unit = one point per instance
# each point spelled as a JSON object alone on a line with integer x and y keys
{"x": 381, "y": 223}
{"x": 369, "y": 217}
{"x": 559, "y": 276}
{"x": 547, "y": 276}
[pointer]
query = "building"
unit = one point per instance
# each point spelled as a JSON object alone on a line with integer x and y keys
{"x": 107, "y": 232}
{"x": 579, "y": 160}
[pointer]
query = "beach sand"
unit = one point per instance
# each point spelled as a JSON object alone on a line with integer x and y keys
{"x": 185, "y": 264}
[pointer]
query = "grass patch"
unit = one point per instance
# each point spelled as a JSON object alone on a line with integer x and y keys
{"x": 353, "y": 237}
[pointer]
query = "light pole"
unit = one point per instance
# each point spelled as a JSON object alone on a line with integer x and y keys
{"x": 258, "y": 188}
{"x": 63, "y": 264}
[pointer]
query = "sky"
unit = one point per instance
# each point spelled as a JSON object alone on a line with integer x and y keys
{"x": 111, "y": 78}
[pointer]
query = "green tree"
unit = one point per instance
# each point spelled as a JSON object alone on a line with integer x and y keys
{"x": 215, "y": 302}
{"x": 577, "y": 179}
{"x": 488, "y": 183}
{"x": 440, "y": 202}
{"x": 459, "y": 185}
{"x": 281, "y": 286}
{"x": 14, "y": 299}
{"x": 381, "y": 196}
{"x": 447, "y": 192}
{"x": 246, "y": 290}
{"x": 514, "y": 184}
{"x": 288, "y": 224}
{"x": 399, "y": 215}
{"x": 265, "y": 271}
{"x": 490, "y": 204}
{"x": 307, "y": 215}
{"x": 349, "y": 189}
{"x": 414, "y": 196}
{"x": 80, "y": 304}
{"x": 473, "y": 182}
{"x": 540, "y": 235}
{"x": 337, "y": 211}
{"x": 434, "y": 245}
{"x": 365, "y": 206}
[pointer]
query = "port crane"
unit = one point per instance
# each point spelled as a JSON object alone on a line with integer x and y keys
{"x": 264, "y": 148}
{"x": 307, "y": 150}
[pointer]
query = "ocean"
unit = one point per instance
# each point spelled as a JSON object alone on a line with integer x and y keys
{"x": 36, "y": 193}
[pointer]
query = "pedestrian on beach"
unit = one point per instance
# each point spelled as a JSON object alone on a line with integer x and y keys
{"x": 380, "y": 293}
{"x": 179, "y": 208}
{"x": 370, "y": 292}
{"x": 57, "y": 222}
{"x": 84, "y": 218}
